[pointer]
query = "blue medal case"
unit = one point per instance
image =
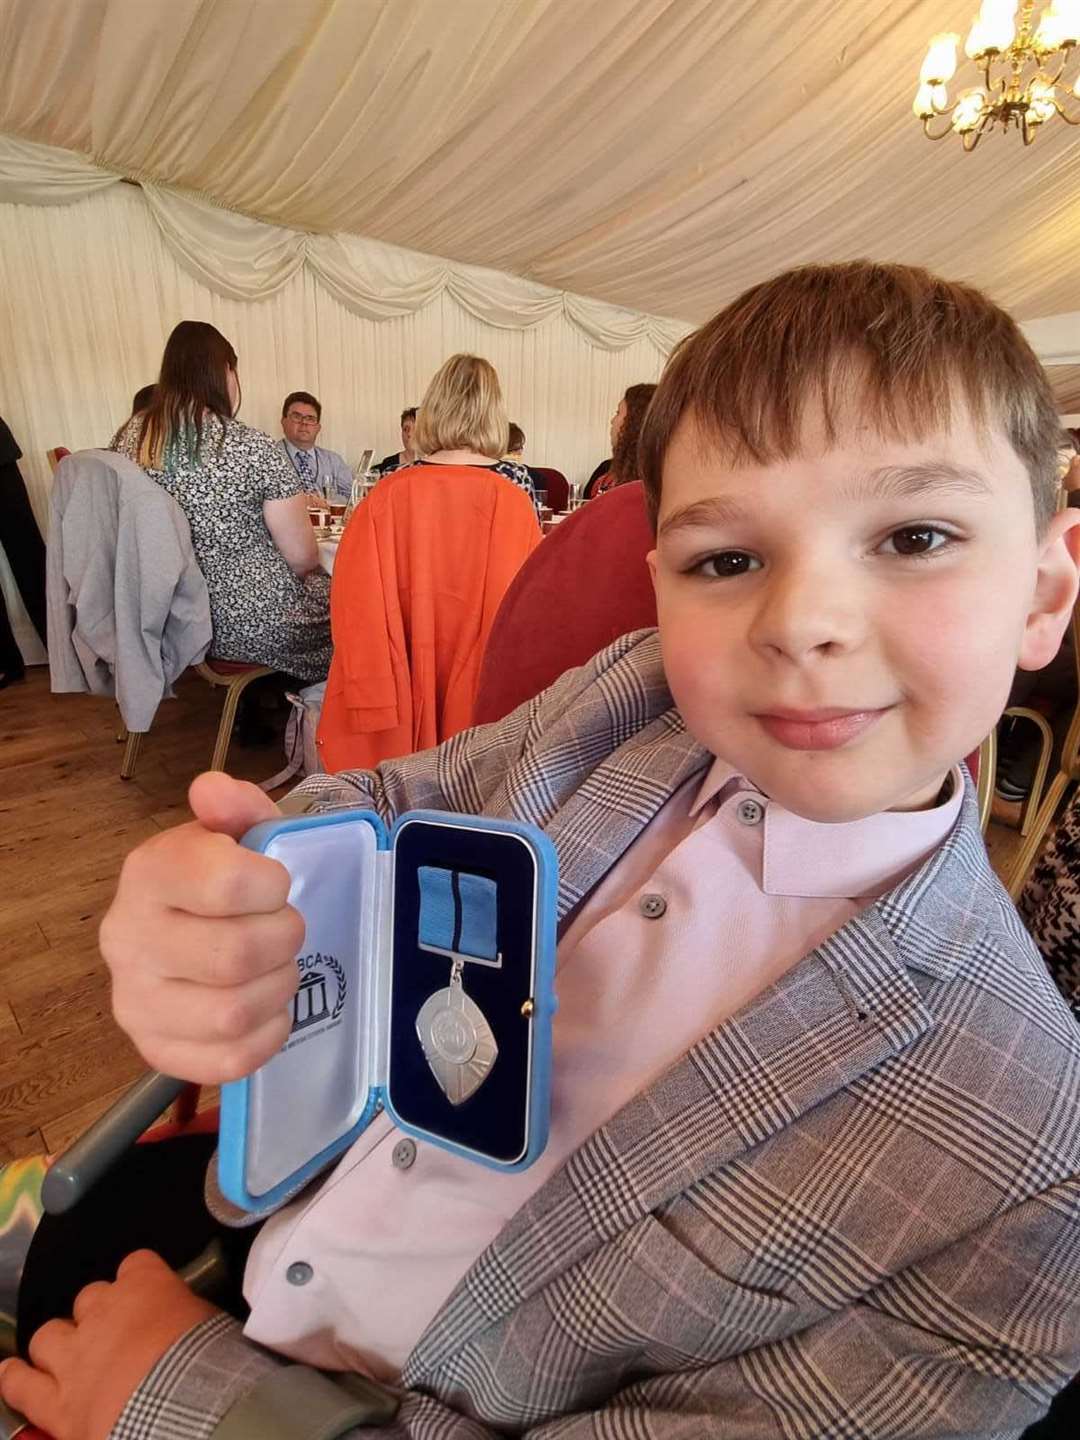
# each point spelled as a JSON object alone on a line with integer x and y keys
{"x": 365, "y": 976}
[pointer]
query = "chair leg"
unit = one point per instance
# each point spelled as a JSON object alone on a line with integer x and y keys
{"x": 131, "y": 754}
{"x": 1032, "y": 842}
{"x": 228, "y": 716}
{"x": 1046, "y": 750}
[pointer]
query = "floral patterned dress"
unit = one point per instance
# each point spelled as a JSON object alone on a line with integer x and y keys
{"x": 1050, "y": 905}
{"x": 261, "y": 612}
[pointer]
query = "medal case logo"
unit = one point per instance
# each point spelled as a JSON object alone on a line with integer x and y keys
{"x": 311, "y": 1003}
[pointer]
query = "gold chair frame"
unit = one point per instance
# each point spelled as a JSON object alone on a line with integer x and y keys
{"x": 984, "y": 785}
{"x": 234, "y": 686}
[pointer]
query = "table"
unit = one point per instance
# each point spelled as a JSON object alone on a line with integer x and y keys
{"x": 328, "y": 554}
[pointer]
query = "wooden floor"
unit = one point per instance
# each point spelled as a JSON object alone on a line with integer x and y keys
{"x": 66, "y": 822}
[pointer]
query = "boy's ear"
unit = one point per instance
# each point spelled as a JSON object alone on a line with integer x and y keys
{"x": 650, "y": 561}
{"x": 1056, "y": 584}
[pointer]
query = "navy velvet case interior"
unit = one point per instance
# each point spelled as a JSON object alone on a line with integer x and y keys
{"x": 366, "y": 978}
{"x": 494, "y": 1120}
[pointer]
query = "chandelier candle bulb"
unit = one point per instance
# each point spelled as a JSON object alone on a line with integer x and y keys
{"x": 1051, "y": 32}
{"x": 940, "y": 62}
{"x": 968, "y": 110}
{"x": 976, "y": 45}
{"x": 1042, "y": 106}
{"x": 1066, "y": 14}
{"x": 998, "y": 13}
{"x": 931, "y": 100}
{"x": 999, "y": 32}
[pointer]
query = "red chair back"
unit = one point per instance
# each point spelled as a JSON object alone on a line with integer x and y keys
{"x": 557, "y": 486}
{"x": 586, "y": 585}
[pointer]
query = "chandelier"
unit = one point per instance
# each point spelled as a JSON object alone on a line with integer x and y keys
{"x": 1023, "y": 73}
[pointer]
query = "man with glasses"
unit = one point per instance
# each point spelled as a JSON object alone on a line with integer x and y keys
{"x": 323, "y": 472}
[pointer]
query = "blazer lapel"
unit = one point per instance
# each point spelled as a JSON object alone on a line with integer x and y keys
{"x": 845, "y": 1009}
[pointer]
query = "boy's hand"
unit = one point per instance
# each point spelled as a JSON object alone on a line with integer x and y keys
{"x": 201, "y": 941}
{"x": 83, "y": 1371}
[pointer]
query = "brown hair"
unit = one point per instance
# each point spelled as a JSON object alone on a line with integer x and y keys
{"x": 909, "y": 343}
{"x": 463, "y": 410}
{"x": 193, "y": 381}
{"x": 302, "y": 397}
{"x": 624, "y": 461}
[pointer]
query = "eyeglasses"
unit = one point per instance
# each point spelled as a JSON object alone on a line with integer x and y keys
{"x": 301, "y": 419}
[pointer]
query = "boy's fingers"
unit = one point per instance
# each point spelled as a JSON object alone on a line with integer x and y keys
{"x": 178, "y": 1010}
{"x": 89, "y": 1299}
{"x": 215, "y": 1063}
{"x": 229, "y": 806}
{"x": 142, "y": 1262}
{"x": 31, "y": 1392}
{"x": 232, "y": 950}
{"x": 200, "y": 872}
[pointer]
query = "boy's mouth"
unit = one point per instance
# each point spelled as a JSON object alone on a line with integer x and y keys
{"x": 824, "y": 729}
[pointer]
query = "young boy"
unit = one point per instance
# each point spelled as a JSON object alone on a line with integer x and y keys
{"x": 814, "y": 1167}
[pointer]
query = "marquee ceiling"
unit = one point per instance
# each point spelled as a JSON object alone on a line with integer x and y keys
{"x": 659, "y": 154}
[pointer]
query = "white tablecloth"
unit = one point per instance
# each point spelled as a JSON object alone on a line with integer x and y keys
{"x": 328, "y": 554}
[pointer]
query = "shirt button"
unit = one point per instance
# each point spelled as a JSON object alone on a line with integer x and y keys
{"x": 750, "y": 812}
{"x": 652, "y": 906}
{"x": 299, "y": 1273}
{"x": 404, "y": 1154}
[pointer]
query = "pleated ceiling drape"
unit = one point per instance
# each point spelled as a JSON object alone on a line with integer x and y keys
{"x": 94, "y": 273}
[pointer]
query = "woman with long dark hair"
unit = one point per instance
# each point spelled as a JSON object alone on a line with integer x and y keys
{"x": 626, "y": 426}
{"x": 269, "y": 600}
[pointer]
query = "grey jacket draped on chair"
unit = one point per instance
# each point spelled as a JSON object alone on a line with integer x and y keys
{"x": 851, "y": 1210}
{"x": 128, "y": 609}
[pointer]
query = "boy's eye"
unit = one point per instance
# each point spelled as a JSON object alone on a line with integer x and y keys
{"x": 915, "y": 540}
{"x": 727, "y": 565}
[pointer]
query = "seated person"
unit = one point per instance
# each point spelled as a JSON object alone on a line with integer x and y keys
{"x": 144, "y": 398}
{"x": 594, "y": 479}
{"x": 814, "y": 1164}
{"x": 515, "y": 455}
{"x": 445, "y": 538}
{"x": 407, "y": 455}
{"x": 322, "y": 472}
{"x": 626, "y": 426}
{"x": 269, "y": 600}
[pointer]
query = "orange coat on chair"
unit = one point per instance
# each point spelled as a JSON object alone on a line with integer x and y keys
{"x": 420, "y": 574}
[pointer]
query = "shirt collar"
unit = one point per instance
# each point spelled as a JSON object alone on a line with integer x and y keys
{"x": 295, "y": 449}
{"x": 854, "y": 860}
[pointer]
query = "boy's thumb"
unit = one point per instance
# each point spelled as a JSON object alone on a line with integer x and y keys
{"x": 228, "y": 806}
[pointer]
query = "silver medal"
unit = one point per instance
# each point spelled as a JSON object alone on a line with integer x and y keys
{"x": 456, "y": 1039}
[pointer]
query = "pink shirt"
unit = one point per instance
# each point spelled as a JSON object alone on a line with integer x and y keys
{"x": 720, "y": 895}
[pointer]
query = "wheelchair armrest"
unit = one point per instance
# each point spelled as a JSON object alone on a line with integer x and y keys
{"x": 82, "y": 1164}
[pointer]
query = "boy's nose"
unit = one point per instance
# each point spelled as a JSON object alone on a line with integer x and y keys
{"x": 803, "y": 616}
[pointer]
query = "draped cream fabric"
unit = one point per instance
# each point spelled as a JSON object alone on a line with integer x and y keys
{"x": 246, "y": 259}
{"x": 657, "y": 154}
{"x": 90, "y": 290}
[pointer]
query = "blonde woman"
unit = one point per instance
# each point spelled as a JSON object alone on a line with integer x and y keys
{"x": 445, "y": 537}
{"x": 462, "y": 421}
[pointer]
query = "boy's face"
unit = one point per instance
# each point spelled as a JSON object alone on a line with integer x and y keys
{"x": 844, "y": 626}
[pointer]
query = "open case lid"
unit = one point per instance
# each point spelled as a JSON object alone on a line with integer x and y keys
{"x": 426, "y": 988}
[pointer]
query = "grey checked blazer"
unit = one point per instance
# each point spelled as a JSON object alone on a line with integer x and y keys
{"x": 852, "y": 1210}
